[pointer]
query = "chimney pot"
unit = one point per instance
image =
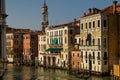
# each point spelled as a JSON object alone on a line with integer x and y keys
{"x": 90, "y": 10}
{"x": 84, "y": 14}
{"x": 114, "y": 6}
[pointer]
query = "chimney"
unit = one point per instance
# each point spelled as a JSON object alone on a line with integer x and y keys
{"x": 74, "y": 23}
{"x": 114, "y": 6}
{"x": 93, "y": 10}
{"x": 75, "y": 20}
{"x": 84, "y": 14}
{"x": 90, "y": 11}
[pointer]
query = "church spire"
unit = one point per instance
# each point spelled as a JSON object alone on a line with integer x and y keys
{"x": 45, "y": 3}
{"x": 45, "y": 21}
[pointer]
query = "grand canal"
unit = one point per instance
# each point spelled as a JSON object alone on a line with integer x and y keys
{"x": 32, "y": 73}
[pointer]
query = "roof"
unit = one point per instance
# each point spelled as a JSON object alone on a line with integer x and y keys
{"x": 75, "y": 23}
{"x": 107, "y": 10}
{"x": 24, "y": 31}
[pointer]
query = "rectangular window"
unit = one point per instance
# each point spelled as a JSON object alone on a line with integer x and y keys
{"x": 86, "y": 25}
{"x": 98, "y": 62}
{"x": 66, "y": 56}
{"x": 58, "y": 61}
{"x": 62, "y": 56}
{"x": 81, "y": 26}
{"x": 105, "y": 55}
{"x": 93, "y": 24}
{"x": 78, "y": 54}
{"x": 71, "y": 31}
{"x": 104, "y": 23}
{"x": 73, "y": 62}
{"x": 71, "y": 40}
{"x": 79, "y": 41}
{"x": 65, "y": 40}
{"x": 73, "y": 54}
{"x": 89, "y": 24}
{"x": 98, "y": 41}
{"x": 86, "y": 55}
{"x": 105, "y": 43}
{"x": 98, "y": 56}
{"x": 81, "y": 54}
{"x": 105, "y": 62}
{"x": 93, "y": 41}
{"x": 93, "y": 55}
{"x": 75, "y": 40}
{"x": 65, "y": 31}
{"x": 98, "y": 23}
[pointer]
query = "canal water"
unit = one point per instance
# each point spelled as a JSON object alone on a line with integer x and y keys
{"x": 32, "y": 73}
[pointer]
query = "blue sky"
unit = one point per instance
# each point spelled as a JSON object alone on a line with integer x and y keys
{"x": 27, "y": 13}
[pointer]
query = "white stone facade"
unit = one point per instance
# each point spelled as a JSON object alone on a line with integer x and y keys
{"x": 41, "y": 47}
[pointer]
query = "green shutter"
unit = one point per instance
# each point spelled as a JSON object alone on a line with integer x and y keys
{"x": 55, "y": 41}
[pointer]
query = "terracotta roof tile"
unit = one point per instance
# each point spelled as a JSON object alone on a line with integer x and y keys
{"x": 107, "y": 10}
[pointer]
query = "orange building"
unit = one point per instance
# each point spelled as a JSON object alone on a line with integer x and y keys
{"x": 30, "y": 47}
{"x": 23, "y": 43}
{"x": 26, "y": 47}
{"x": 75, "y": 59}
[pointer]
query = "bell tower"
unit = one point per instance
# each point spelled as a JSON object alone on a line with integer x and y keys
{"x": 3, "y": 25}
{"x": 44, "y": 22}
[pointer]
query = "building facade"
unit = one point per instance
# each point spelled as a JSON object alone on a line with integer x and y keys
{"x": 75, "y": 55}
{"x": 99, "y": 39}
{"x": 9, "y": 45}
{"x": 30, "y": 47}
{"x": 22, "y": 45}
{"x": 41, "y": 48}
{"x": 18, "y": 46}
{"x": 59, "y": 41}
{"x": 26, "y": 48}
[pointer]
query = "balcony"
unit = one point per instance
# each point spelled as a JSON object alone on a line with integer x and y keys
{"x": 56, "y": 45}
{"x": 96, "y": 47}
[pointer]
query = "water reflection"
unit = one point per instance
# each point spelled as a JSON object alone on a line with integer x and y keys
{"x": 31, "y": 73}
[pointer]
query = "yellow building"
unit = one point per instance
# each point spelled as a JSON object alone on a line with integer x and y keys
{"x": 99, "y": 32}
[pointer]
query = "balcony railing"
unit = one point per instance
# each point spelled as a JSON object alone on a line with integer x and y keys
{"x": 90, "y": 47}
{"x": 56, "y": 45}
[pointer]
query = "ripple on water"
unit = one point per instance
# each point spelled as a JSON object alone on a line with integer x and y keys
{"x": 31, "y": 73}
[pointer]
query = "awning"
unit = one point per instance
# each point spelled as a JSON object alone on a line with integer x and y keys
{"x": 54, "y": 49}
{"x": 55, "y": 41}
